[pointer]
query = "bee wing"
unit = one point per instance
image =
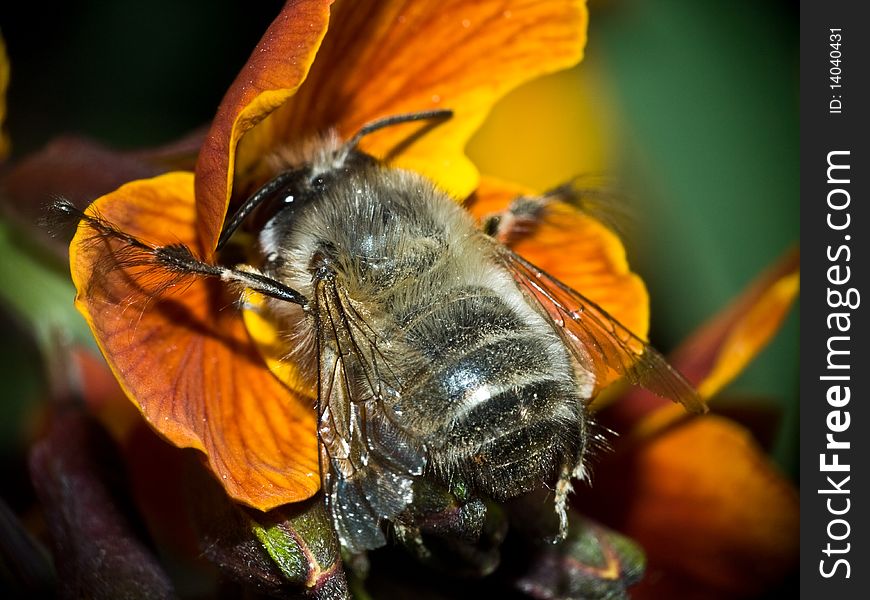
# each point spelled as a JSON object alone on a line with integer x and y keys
{"x": 368, "y": 461}
{"x": 598, "y": 341}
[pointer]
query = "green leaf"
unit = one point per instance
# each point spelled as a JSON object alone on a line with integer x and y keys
{"x": 39, "y": 292}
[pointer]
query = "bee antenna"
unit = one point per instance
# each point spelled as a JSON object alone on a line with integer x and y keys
{"x": 266, "y": 191}
{"x": 439, "y": 114}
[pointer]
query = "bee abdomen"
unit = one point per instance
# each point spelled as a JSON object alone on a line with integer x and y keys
{"x": 497, "y": 407}
{"x": 514, "y": 441}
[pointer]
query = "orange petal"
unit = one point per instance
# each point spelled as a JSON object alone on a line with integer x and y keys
{"x": 715, "y": 353}
{"x": 184, "y": 357}
{"x": 712, "y": 513}
{"x": 751, "y": 332}
{"x": 578, "y": 250}
{"x": 278, "y": 65}
{"x": 387, "y": 58}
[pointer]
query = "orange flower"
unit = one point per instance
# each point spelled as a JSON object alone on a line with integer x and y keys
{"x": 197, "y": 368}
{"x": 184, "y": 356}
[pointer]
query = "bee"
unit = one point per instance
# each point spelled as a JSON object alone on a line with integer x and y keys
{"x": 438, "y": 353}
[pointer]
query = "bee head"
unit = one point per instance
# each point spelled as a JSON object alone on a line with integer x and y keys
{"x": 308, "y": 172}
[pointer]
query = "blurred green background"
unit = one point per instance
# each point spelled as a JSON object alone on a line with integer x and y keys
{"x": 692, "y": 107}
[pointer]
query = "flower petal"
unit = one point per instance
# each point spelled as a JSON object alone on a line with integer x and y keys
{"x": 714, "y": 354}
{"x": 708, "y": 507}
{"x": 752, "y": 329}
{"x": 102, "y": 395}
{"x": 278, "y": 65}
{"x": 262, "y": 326}
{"x": 715, "y": 516}
{"x": 183, "y": 355}
{"x": 557, "y": 127}
{"x": 387, "y": 58}
{"x": 717, "y": 352}
{"x": 576, "y": 249}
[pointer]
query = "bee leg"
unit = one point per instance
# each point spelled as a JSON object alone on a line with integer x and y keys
{"x": 523, "y": 215}
{"x": 564, "y": 487}
{"x": 412, "y": 538}
{"x": 179, "y": 258}
{"x": 517, "y": 221}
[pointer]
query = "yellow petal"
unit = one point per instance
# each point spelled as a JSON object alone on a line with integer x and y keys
{"x": 273, "y": 348}
{"x": 550, "y": 130}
